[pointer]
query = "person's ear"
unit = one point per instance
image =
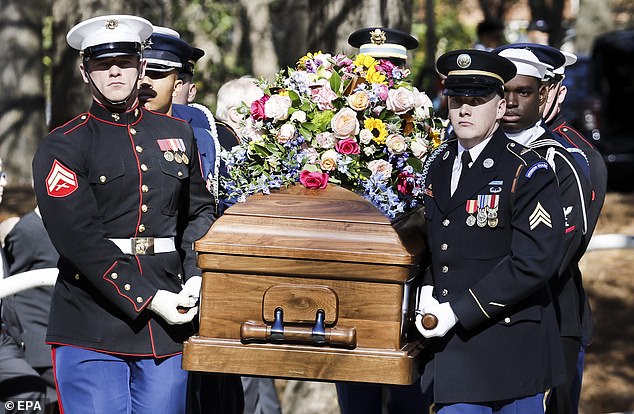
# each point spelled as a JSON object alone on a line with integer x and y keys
{"x": 501, "y": 109}
{"x": 191, "y": 94}
{"x": 178, "y": 87}
{"x": 84, "y": 75}
{"x": 543, "y": 94}
{"x": 561, "y": 96}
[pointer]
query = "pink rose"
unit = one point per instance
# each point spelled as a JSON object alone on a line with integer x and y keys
{"x": 400, "y": 100}
{"x": 404, "y": 183}
{"x": 257, "y": 107}
{"x": 323, "y": 97}
{"x": 348, "y": 146}
{"x": 313, "y": 180}
{"x": 381, "y": 167}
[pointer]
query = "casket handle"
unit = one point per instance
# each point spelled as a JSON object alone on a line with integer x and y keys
{"x": 260, "y": 332}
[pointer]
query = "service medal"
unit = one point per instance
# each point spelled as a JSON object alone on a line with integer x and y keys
{"x": 493, "y": 222}
{"x": 169, "y": 156}
{"x": 185, "y": 159}
{"x": 178, "y": 158}
{"x": 482, "y": 223}
{"x": 471, "y": 207}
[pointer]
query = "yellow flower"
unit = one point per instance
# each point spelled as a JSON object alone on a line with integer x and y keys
{"x": 378, "y": 129}
{"x": 308, "y": 56}
{"x": 374, "y": 76}
{"x": 364, "y": 61}
{"x": 436, "y": 137}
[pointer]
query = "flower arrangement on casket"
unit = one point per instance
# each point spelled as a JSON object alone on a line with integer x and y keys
{"x": 352, "y": 121}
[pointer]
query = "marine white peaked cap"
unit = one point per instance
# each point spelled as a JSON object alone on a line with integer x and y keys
{"x": 108, "y": 29}
{"x": 526, "y": 62}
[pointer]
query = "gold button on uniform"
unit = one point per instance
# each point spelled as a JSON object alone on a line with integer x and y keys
{"x": 443, "y": 246}
{"x": 114, "y": 275}
{"x": 144, "y": 208}
{"x": 445, "y": 269}
{"x": 446, "y": 222}
{"x": 445, "y": 292}
{"x": 126, "y": 286}
{"x": 143, "y": 167}
{"x": 145, "y": 188}
{"x": 507, "y": 320}
{"x": 139, "y": 148}
{"x": 133, "y": 131}
{"x": 76, "y": 276}
{"x": 180, "y": 173}
{"x": 141, "y": 228}
{"x": 139, "y": 299}
{"x": 102, "y": 179}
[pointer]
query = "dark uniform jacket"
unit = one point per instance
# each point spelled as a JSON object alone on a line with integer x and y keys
{"x": 494, "y": 274}
{"x": 28, "y": 247}
{"x": 576, "y": 195}
{"x": 108, "y": 175}
{"x": 575, "y": 307}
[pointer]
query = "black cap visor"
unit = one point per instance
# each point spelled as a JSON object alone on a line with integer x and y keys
{"x": 112, "y": 49}
{"x": 471, "y": 85}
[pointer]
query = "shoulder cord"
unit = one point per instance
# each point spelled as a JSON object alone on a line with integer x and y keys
{"x": 550, "y": 157}
{"x": 214, "y": 136}
{"x": 429, "y": 160}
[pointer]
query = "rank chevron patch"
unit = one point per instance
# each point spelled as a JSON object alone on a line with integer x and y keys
{"x": 61, "y": 180}
{"x": 539, "y": 216}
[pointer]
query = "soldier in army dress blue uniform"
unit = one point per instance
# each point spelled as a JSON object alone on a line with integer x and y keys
{"x": 495, "y": 229}
{"x": 123, "y": 200}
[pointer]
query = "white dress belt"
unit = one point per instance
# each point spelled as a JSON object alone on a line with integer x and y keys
{"x": 145, "y": 245}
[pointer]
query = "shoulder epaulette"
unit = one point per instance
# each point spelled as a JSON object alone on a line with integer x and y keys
{"x": 71, "y": 125}
{"x": 526, "y": 154}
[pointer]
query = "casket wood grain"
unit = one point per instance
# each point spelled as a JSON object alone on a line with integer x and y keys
{"x": 297, "y": 255}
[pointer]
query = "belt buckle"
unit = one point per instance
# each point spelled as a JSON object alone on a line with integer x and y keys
{"x": 142, "y": 245}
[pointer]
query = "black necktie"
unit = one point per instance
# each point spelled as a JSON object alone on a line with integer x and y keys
{"x": 465, "y": 159}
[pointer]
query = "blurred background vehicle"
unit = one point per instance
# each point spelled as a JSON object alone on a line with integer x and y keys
{"x": 600, "y": 103}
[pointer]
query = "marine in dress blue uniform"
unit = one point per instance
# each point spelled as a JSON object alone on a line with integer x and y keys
{"x": 495, "y": 243}
{"x": 123, "y": 200}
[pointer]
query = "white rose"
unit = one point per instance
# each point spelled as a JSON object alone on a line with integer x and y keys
{"x": 328, "y": 160}
{"x": 381, "y": 167}
{"x": 369, "y": 150}
{"x": 345, "y": 123}
{"x": 365, "y": 136}
{"x": 418, "y": 147}
{"x": 311, "y": 155}
{"x": 285, "y": 133}
{"x": 422, "y": 104}
{"x": 395, "y": 143}
{"x": 400, "y": 100}
{"x": 277, "y": 107}
{"x": 299, "y": 116}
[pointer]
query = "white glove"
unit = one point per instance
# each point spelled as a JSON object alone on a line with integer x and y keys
{"x": 165, "y": 304}
{"x": 192, "y": 287}
{"x": 446, "y": 320}
{"x": 424, "y": 299}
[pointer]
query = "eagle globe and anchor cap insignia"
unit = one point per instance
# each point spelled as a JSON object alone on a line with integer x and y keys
{"x": 112, "y": 24}
{"x": 61, "y": 181}
{"x": 463, "y": 61}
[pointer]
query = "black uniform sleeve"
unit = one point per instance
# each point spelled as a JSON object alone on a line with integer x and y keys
{"x": 72, "y": 221}
{"x": 198, "y": 213}
{"x": 536, "y": 250}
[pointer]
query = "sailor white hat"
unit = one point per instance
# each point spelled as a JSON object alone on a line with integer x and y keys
{"x": 571, "y": 59}
{"x": 115, "y": 32}
{"x": 526, "y": 62}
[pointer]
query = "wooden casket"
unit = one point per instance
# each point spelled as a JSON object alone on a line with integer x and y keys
{"x": 309, "y": 284}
